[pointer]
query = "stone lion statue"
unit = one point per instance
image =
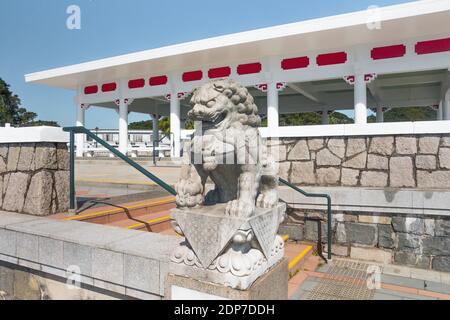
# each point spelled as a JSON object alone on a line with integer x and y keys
{"x": 227, "y": 149}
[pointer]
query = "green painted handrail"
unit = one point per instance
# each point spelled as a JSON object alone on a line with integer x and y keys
{"x": 161, "y": 183}
{"x": 316, "y": 195}
{"x": 83, "y": 130}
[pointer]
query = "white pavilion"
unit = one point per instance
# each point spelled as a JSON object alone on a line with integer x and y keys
{"x": 396, "y": 56}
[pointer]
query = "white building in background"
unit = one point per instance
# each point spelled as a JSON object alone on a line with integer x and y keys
{"x": 391, "y": 57}
{"x": 140, "y": 142}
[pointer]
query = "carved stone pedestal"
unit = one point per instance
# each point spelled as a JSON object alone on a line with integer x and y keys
{"x": 225, "y": 250}
{"x": 273, "y": 285}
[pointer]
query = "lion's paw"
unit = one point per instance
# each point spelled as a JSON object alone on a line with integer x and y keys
{"x": 187, "y": 200}
{"x": 267, "y": 200}
{"x": 239, "y": 208}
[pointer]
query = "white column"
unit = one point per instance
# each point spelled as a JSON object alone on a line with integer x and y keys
{"x": 440, "y": 111}
{"x": 447, "y": 105}
{"x": 79, "y": 138}
{"x": 123, "y": 126}
{"x": 380, "y": 114}
{"x": 175, "y": 129}
{"x": 360, "y": 99}
{"x": 272, "y": 106}
{"x": 155, "y": 122}
{"x": 325, "y": 117}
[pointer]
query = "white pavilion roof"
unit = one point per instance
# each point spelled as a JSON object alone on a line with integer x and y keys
{"x": 411, "y": 20}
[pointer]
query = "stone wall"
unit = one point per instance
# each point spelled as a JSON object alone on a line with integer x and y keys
{"x": 34, "y": 178}
{"x": 419, "y": 241}
{"x": 400, "y": 161}
{"x": 39, "y": 256}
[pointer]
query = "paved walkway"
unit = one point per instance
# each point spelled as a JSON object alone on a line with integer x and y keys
{"x": 116, "y": 171}
{"x": 347, "y": 280}
{"x": 102, "y": 182}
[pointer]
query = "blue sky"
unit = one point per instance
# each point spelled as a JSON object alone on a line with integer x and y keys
{"x": 34, "y": 37}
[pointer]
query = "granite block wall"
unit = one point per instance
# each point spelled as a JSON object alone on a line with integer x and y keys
{"x": 34, "y": 178}
{"x": 417, "y": 241}
{"x": 395, "y": 161}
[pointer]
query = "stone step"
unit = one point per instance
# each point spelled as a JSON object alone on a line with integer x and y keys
{"x": 122, "y": 212}
{"x": 298, "y": 254}
{"x": 152, "y": 222}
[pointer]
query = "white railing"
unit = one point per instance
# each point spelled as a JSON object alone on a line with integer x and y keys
{"x": 369, "y": 129}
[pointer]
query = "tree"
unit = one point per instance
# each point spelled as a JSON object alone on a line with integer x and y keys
{"x": 164, "y": 125}
{"x": 42, "y": 123}
{"x": 340, "y": 118}
{"x": 312, "y": 118}
{"x": 141, "y": 125}
{"x": 10, "y": 109}
{"x": 309, "y": 118}
{"x": 407, "y": 114}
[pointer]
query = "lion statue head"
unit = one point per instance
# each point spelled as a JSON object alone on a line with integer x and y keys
{"x": 223, "y": 103}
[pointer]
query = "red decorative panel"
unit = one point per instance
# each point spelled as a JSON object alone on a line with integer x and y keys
{"x": 108, "y": 87}
{"x": 331, "y": 58}
{"x": 158, "y": 81}
{"x": 249, "y": 68}
{"x": 192, "y": 76}
{"x": 219, "y": 72}
{"x": 388, "y": 52}
{"x": 433, "y": 46}
{"x": 295, "y": 63}
{"x": 91, "y": 90}
{"x": 136, "y": 83}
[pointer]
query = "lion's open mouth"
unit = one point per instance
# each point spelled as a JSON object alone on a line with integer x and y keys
{"x": 213, "y": 122}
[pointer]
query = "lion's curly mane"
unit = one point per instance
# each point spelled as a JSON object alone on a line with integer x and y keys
{"x": 243, "y": 103}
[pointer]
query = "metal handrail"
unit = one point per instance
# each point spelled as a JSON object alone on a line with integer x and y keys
{"x": 316, "y": 195}
{"x": 83, "y": 130}
{"x": 161, "y": 183}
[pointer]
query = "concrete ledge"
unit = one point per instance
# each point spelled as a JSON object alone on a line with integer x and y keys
{"x": 372, "y": 129}
{"x": 382, "y": 200}
{"x": 33, "y": 134}
{"x": 126, "y": 262}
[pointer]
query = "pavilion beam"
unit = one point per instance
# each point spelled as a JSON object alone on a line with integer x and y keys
{"x": 315, "y": 95}
{"x": 419, "y": 102}
{"x": 410, "y": 80}
{"x": 389, "y": 82}
{"x": 303, "y": 92}
{"x": 159, "y": 99}
{"x": 374, "y": 93}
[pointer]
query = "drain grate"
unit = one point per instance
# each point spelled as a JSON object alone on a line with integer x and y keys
{"x": 345, "y": 280}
